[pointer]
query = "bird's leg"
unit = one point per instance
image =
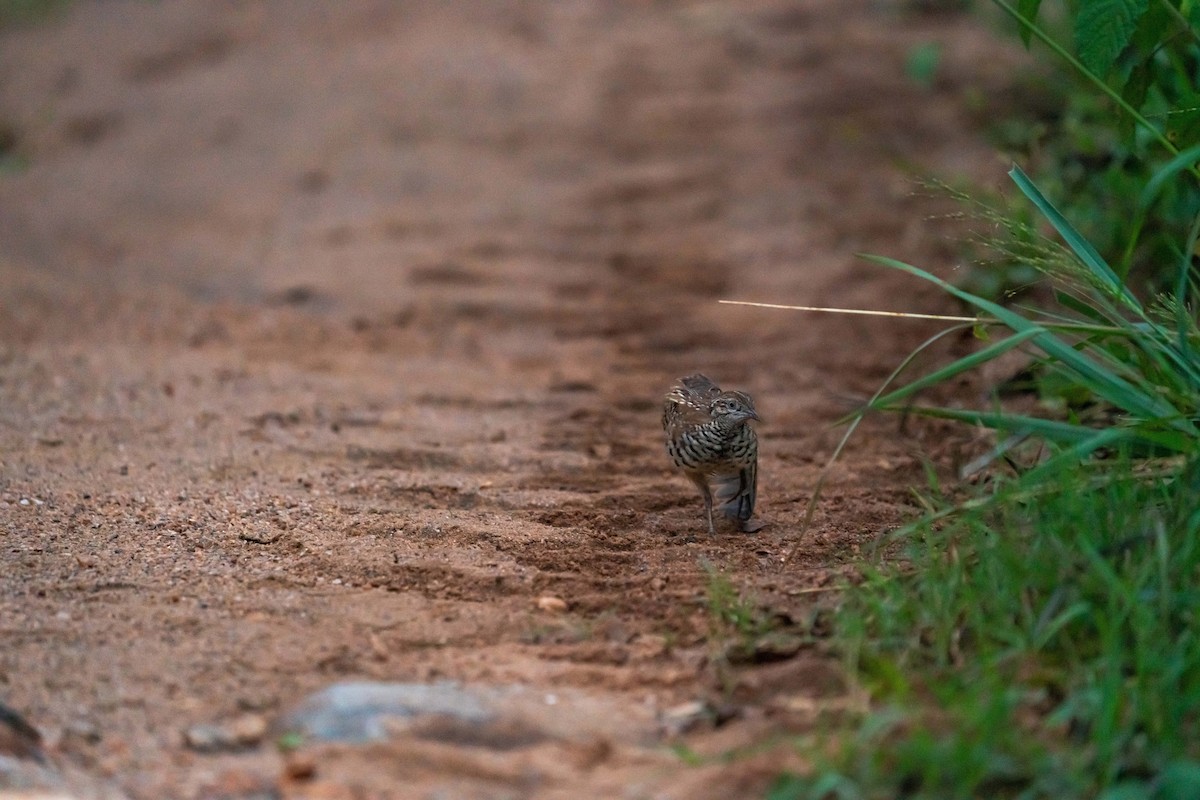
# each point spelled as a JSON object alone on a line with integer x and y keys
{"x": 702, "y": 483}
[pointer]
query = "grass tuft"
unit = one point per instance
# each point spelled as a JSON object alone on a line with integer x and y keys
{"x": 1033, "y": 647}
{"x": 1139, "y": 361}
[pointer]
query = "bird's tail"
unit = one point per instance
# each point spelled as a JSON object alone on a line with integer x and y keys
{"x": 736, "y": 493}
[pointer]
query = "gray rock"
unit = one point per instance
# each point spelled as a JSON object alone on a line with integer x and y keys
{"x": 495, "y": 717}
{"x": 369, "y": 712}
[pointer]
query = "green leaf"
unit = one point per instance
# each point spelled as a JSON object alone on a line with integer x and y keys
{"x": 1029, "y": 10}
{"x": 1136, "y": 88}
{"x": 1103, "y": 29}
{"x": 1152, "y": 27}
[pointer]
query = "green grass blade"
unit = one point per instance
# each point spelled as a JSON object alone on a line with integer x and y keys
{"x": 1052, "y": 430}
{"x": 1079, "y": 306}
{"x": 1045, "y": 633}
{"x": 1137, "y": 400}
{"x": 1060, "y": 432}
{"x": 1186, "y": 160}
{"x": 1081, "y": 246}
{"x": 1057, "y": 431}
{"x": 951, "y": 370}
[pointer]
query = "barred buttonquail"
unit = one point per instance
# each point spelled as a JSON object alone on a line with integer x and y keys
{"x": 708, "y": 437}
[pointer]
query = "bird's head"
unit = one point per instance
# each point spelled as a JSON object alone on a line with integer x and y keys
{"x": 733, "y": 407}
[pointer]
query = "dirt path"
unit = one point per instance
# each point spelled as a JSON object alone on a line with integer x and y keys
{"x": 332, "y": 337}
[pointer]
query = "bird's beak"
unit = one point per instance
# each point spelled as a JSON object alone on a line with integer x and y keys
{"x": 754, "y": 415}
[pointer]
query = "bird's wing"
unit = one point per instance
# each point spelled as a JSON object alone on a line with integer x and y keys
{"x": 688, "y": 401}
{"x": 700, "y": 386}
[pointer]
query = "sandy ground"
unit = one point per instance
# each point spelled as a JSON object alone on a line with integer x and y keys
{"x": 334, "y": 336}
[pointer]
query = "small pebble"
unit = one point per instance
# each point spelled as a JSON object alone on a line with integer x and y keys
{"x": 685, "y": 717}
{"x": 555, "y": 605}
{"x": 249, "y": 729}
{"x": 244, "y": 732}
